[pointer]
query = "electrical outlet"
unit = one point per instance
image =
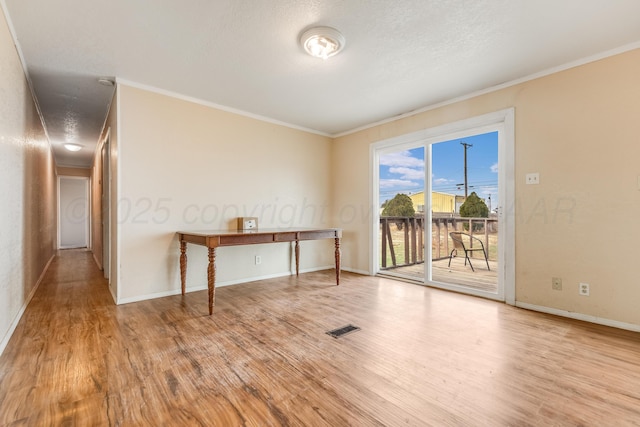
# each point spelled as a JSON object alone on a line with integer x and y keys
{"x": 556, "y": 283}
{"x": 533, "y": 178}
{"x": 584, "y": 289}
{"x": 258, "y": 259}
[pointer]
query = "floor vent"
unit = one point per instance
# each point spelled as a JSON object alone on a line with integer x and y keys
{"x": 336, "y": 333}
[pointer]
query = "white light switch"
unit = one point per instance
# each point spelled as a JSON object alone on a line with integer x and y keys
{"x": 533, "y": 178}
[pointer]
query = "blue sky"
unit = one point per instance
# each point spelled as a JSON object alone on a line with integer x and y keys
{"x": 403, "y": 171}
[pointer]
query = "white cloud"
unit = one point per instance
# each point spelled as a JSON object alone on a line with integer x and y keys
{"x": 440, "y": 181}
{"x": 392, "y": 183}
{"x": 494, "y": 168}
{"x": 408, "y": 173}
{"x": 401, "y": 159}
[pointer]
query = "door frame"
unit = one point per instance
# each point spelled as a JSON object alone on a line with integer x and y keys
{"x": 105, "y": 204}
{"x": 87, "y": 211}
{"x": 504, "y": 122}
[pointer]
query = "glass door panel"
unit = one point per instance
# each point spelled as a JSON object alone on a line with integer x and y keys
{"x": 464, "y": 220}
{"x": 401, "y": 233}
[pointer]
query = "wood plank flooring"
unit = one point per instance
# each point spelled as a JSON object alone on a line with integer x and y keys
{"x": 424, "y": 357}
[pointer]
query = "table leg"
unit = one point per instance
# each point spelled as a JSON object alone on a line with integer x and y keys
{"x": 297, "y": 258}
{"x": 183, "y": 265}
{"x": 211, "y": 278}
{"x": 337, "y": 261}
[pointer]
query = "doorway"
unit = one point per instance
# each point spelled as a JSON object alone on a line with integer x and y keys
{"x": 455, "y": 181}
{"x": 73, "y": 212}
{"x": 105, "y": 203}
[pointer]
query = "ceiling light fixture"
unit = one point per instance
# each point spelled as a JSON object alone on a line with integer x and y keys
{"x": 106, "y": 81}
{"x": 73, "y": 147}
{"x": 322, "y": 42}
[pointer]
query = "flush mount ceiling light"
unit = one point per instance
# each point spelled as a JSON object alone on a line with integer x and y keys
{"x": 73, "y": 147}
{"x": 322, "y": 42}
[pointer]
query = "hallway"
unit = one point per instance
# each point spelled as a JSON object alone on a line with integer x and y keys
{"x": 53, "y": 370}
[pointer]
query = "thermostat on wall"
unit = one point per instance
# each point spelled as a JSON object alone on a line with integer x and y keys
{"x": 247, "y": 223}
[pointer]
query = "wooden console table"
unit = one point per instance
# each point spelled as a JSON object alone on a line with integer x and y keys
{"x": 215, "y": 239}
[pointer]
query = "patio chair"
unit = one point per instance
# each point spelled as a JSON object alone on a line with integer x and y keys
{"x": 459, "y": 244}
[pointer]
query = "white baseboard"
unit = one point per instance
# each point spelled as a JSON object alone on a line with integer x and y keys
{"x": 356, "y": 271}
{"x": 218, "y": 285}
{"x": 99, "y": 264}
{"x": 16, "y": 320}
{"x": 580, "y": 316}
{"x": 113, "y": 294}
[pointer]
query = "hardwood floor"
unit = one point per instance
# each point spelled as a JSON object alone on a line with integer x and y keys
{"x": 423, "y": 357}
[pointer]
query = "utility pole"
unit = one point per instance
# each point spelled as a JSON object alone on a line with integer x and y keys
{"x": 466, "y": 186}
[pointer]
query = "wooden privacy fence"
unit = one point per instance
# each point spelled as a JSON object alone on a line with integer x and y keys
{"x": 411, "y": 231}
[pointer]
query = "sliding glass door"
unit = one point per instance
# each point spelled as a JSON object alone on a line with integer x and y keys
{"x": 441, "y": 197}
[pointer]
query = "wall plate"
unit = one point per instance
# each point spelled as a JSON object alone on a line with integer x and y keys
{"x": 533, "y": 178}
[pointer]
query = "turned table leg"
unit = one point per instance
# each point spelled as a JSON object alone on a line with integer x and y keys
{"x": 337, "y": 261}
{"x": 211, "y": 278}
{"x": 183, "y": 265}
{"x": 297, "y": 258}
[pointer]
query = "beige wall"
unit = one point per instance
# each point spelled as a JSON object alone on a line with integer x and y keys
{"x": 27, "y": 213}
{"x": 579, "y": 129}
{"x": 189, "y": 166}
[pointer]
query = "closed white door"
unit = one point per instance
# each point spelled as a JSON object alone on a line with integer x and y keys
{"x": 73, "y": 213}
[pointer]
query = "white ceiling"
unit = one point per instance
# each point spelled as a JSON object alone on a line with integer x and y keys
{"x": 400, "y": 55}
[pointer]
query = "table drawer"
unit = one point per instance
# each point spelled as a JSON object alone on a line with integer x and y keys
{"x": 245, "y": 239}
